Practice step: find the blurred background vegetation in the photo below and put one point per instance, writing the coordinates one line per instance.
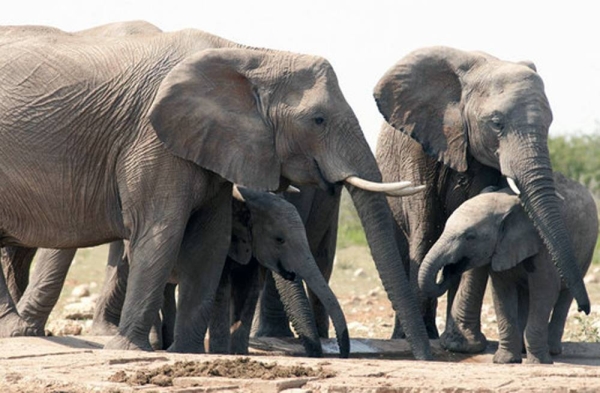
(577, 156)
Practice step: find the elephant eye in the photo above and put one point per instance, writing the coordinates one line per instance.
(497, 123)
(319, 120)
(280, 240)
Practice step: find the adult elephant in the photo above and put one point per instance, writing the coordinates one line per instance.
(458, 122)
(141, 138)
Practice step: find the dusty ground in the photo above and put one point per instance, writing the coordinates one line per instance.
(77, 364)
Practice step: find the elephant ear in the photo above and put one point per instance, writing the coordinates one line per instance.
(208, 110)
(518, 240)
(421, 96)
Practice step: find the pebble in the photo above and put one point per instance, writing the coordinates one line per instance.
(81, 291)
(360, 272)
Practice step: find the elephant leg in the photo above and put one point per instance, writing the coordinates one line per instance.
(272, 320)
(107, 313)
(556, 327)
(510, 340)
(45, 287)
(11, 324)
(152, 255)
(168, 313)
(201, 260)
(220, 320)
(463, 316)
(16, 262)
(244, 292)
(544, 290)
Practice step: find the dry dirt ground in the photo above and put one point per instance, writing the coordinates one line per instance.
(78, 364)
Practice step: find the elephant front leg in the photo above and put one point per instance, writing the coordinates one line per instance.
(245, 291)
(152, 254)
(220, 321)
(506, 300)
(463, 318)
(199, 268)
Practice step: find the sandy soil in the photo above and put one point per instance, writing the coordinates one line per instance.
(69, 364)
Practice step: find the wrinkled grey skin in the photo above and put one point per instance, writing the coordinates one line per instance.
(458, 122)
(492, 230)
(135, 152)
(319, 211)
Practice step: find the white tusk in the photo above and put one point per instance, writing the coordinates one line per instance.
(513, 185)
(402, 188)
(406, 191)
(235, 192)
(560, 196)
(292, 189)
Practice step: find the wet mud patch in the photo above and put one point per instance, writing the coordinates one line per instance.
(228, 368)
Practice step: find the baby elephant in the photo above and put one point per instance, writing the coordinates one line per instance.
(493, 229)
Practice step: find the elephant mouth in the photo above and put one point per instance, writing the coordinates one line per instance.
(286, 274)
(452, 273)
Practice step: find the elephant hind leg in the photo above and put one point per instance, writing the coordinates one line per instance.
(556, 327)
(11, 324)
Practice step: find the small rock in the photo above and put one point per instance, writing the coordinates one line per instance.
(64, 327)
(81, 291)
(79, 311)
(374, 292)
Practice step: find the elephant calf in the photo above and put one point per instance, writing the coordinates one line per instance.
(530, 299)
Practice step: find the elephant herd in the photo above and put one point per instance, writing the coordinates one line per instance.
(174, 146)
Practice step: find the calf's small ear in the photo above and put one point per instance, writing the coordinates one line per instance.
(517, 240)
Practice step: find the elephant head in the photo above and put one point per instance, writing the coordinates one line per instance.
(490, 229)
(263, 119)
(462, 106)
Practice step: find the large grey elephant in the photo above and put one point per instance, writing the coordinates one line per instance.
(493, 230)
(458, 122)
(141, 138)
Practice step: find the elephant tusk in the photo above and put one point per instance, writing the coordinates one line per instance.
(292, 189)
(235, 192)
(513, 185)
(397, 189)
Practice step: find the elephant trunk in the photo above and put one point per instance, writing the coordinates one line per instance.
(316, 282)
(435, 260)
(298, 309)
(534, 179)
(377, 221)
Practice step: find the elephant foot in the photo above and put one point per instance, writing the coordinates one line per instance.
(185, 347)
(543, 358)
(555, 348)
(503, 356)
(463, 340)
(124, 343)
(12, 325)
